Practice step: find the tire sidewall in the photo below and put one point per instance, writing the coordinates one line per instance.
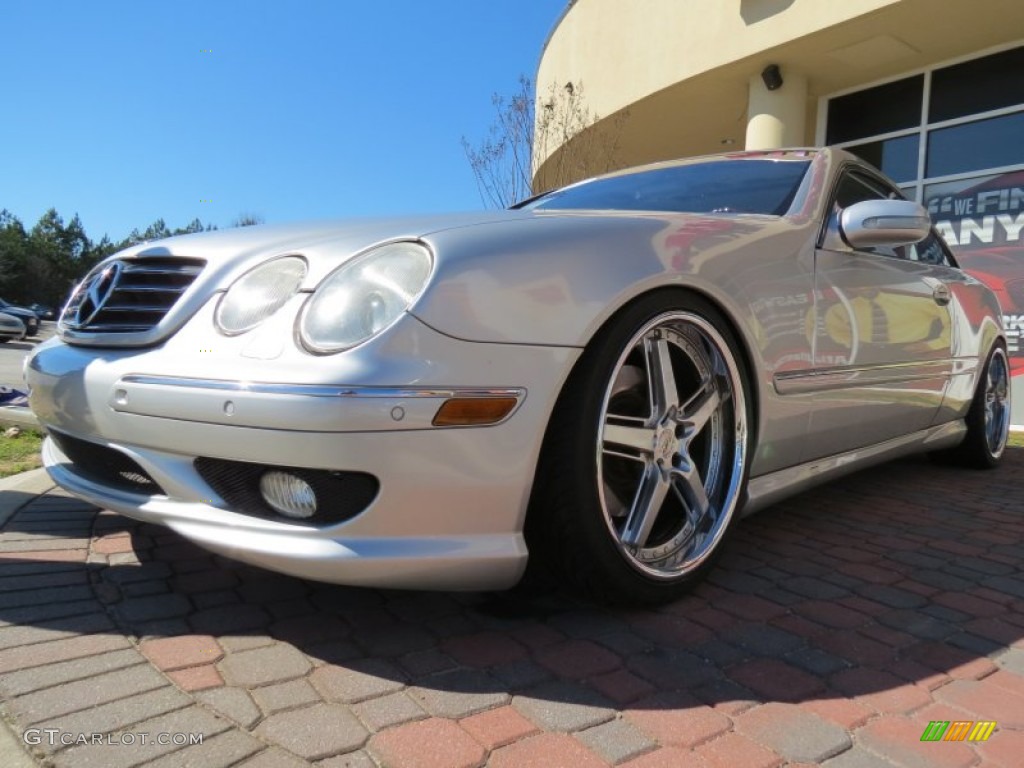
(583, 403)
(977, 439)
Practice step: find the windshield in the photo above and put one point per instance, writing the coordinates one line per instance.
(761, 186)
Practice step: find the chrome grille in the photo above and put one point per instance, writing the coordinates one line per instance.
(130, 295)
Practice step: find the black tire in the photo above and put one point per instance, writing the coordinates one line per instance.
(988, 420)
(619, 445)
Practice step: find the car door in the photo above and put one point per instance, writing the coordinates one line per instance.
(882, 335)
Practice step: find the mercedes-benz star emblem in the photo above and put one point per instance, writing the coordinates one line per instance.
(92, 295)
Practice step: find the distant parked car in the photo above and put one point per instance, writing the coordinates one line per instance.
(45, 312)
(27, 316)
(10, 328)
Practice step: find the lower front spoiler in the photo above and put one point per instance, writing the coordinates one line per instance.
(460, 563)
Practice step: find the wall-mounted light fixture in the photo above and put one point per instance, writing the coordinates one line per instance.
(772, 77)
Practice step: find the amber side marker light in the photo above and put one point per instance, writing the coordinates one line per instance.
(473, 411)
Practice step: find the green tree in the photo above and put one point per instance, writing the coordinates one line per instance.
(193, 226)
(156, 231)
(99, 251)
(59, 255)
(159, 230)
(13, 255)
(247, 220)
(48, 261)
(45, 263)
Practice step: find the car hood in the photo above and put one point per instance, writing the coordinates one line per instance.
(498, 275)
(324, 244)
(328, 244)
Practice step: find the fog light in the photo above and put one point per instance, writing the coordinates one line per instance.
(288, 494)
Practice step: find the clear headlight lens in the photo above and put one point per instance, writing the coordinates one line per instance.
(258, 294)
(365, 296)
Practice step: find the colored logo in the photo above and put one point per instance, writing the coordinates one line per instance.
(958, 730)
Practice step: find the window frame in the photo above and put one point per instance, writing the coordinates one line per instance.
(914, 189)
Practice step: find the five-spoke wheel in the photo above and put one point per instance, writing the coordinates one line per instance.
(672, 444)
(660, 397)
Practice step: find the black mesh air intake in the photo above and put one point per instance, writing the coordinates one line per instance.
(339, 495)
(106, 465)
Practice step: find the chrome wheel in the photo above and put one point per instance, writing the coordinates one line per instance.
(988, 418)
(672, 443)
(997, 403)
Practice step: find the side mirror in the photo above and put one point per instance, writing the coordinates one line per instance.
(884, 222)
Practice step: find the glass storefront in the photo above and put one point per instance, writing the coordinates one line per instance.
(953, 139)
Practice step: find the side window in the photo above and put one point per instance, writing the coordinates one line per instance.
(854, 188)
(931, 250)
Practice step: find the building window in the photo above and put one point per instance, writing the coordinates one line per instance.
(897, 158)
(882, 109)
(937, 125)
(990, 143)
(980, 85)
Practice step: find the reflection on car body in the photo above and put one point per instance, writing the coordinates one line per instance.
(597, 383)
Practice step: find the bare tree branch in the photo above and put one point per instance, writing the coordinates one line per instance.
(502, 163)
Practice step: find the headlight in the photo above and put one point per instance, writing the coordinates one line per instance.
(258, 294)
(362, 298)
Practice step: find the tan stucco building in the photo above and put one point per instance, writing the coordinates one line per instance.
(931, 91)
(689, 71)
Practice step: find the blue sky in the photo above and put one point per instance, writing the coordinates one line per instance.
(125, 112)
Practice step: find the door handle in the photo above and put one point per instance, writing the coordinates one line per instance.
(941, 294)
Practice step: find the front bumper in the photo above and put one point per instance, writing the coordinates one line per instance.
(451, 504)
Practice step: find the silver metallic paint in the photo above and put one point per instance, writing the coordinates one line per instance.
(514, 298)
(885, 222)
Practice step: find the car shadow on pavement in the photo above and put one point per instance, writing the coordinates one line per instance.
(895, 593)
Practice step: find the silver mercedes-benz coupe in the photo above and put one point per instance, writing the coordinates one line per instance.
(602, 379)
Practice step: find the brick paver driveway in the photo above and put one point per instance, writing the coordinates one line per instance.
(838, 625)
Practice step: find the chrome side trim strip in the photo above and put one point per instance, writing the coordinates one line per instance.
(813, 380)
(766, 490)
(320, 390)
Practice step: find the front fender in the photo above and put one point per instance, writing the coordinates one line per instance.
(556, 279)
